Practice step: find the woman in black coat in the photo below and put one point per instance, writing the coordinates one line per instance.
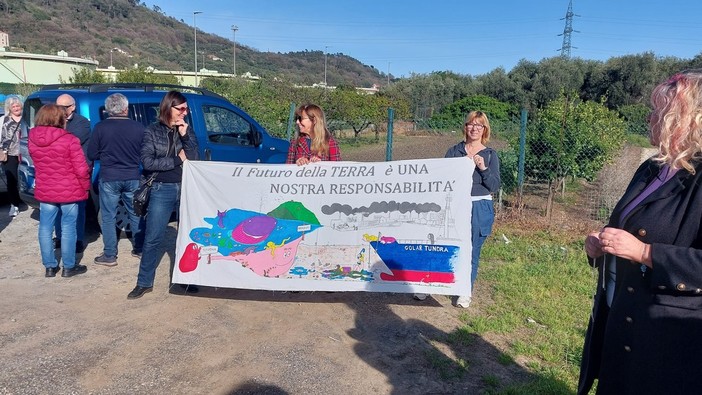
(167, 144)
(645, 333)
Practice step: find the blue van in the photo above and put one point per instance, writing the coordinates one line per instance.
(224, 131)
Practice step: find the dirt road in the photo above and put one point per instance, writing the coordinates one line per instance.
(81, 335)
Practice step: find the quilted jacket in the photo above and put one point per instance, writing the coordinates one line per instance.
(62, 174)
(159, 151)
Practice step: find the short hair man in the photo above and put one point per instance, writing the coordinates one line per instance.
(116, 143)
(78, 126)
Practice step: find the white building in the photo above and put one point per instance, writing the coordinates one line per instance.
(28, 68)
(4, 40)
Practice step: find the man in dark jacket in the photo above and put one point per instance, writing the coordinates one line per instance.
(78, 126)
(116, 143)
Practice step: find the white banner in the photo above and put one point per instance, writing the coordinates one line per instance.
(401, 226)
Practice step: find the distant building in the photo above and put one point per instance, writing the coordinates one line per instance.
(184, 77)
(4, 40)
(369, 91)
(28, 68)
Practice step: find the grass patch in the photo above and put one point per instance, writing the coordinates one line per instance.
(638, 140)
(461, 337)
(505, 359)
(347, 143)
(547, 384)
(541, 293)
(491, 381)
(447, 368)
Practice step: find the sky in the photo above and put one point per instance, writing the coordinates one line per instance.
(463, 36)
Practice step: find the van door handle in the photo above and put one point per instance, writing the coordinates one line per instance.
(208, 154)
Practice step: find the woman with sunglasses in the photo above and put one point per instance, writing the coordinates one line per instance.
(486, 181)
(167, 144)
(313, 141)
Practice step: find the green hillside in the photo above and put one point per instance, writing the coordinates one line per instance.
(92, 28)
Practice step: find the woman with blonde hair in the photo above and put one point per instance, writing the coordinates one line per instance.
(485, 180)
(647, 314)
(313, 141)
(12, 127)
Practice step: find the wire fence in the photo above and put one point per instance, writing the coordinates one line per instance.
(527, 191)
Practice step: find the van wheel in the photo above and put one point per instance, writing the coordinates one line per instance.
(122, 224)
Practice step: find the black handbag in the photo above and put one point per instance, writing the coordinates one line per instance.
(141, 196)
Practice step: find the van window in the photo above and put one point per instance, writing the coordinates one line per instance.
(226, 127)
(104, 114)
(30, 110)
(151, 111)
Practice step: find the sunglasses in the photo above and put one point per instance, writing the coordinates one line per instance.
(300, 118)
(181, 109)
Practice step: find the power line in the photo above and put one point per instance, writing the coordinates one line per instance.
(566, 46)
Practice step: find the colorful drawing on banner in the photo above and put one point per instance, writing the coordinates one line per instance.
(376, 227)
(417, 262)
(264, 243)
(267, 244)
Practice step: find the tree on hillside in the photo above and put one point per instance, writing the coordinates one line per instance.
(85, 76)
(636, 117)
(429, 93)
(453, 115)
(694, 63)
(544, 81)
(572, 138)
(141, 74)
(498, 84)
(268, 103)
(357, 110)
(629, 79)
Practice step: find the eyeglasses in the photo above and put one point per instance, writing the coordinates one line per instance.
(475, 126)
(67, 106)
(300, 119)
(181, 109)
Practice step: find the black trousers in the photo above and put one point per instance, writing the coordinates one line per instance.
(12, 179)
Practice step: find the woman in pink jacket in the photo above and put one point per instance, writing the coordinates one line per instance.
(62, 180)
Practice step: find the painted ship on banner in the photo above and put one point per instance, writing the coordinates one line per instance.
(417, 262)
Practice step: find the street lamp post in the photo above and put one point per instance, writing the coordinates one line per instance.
(195, 29)
(325, 66)
(234, 29)
(388, 73)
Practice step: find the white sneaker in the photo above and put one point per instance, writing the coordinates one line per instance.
(463, 301)
(420, 296)
(14, 210)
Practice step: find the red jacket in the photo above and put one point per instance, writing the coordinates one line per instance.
(62, 174)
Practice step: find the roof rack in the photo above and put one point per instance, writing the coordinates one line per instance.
(146, 87)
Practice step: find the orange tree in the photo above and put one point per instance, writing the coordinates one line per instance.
(570, 137)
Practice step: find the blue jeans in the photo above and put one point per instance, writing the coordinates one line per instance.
(48, 212)
(165, 198)
(111, 192)
(79, 224)
(482, 218)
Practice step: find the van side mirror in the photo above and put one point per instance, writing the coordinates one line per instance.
(257, 138)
